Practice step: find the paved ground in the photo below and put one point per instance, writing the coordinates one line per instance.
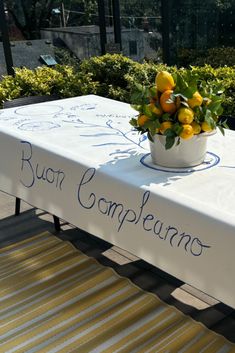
(31, 221)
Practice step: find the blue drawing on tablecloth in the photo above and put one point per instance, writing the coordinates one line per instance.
(68, 118)
(22, 121)
(84, 106)
(57, 116)
(33, 110)
(7, 118)
(116, 116)
(38, 126)
(114, 131)
(227, 166)
(211, 160)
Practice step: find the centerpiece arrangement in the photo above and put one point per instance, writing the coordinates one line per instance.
(178, 113)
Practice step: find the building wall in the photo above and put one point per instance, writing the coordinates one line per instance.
(85, 44)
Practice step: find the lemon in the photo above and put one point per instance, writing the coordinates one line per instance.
(187, 132)
(164, 126)
(185, 115)
(164, 81)
(156, 110)
(166, 106)
(142, 119)
(206, 127)
(196, 128)
(196, 100)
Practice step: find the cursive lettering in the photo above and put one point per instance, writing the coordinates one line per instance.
(122, 215)
(32, 171)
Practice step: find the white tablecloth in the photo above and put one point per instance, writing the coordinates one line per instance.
(79, 158)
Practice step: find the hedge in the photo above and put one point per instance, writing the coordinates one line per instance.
(216, 57)
(112, 75)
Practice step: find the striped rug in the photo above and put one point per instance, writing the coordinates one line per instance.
(53, 299)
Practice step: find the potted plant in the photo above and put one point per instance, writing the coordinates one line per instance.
(178, 113)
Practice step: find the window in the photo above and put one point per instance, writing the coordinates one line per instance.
(133, 47)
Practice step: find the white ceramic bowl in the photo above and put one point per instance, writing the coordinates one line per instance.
(187, 153)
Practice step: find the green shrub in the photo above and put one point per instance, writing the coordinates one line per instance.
(113, 76)
(60, 80)
(223, 75)
(116, 74)
(215, 57)
(109, 71)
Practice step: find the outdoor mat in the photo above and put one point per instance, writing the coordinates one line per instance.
(53, 299)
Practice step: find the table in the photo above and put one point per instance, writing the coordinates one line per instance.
(79, 159)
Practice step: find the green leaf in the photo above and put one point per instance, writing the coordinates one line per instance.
(181, 84)
(177, 128)
(169, 133)
(133, 122)
(189, 91)
(222, 129)
(208, 117)
(220, 111)
(214, 107)
(137, 107)
(166, 117)
(139, 94)
(150, 137)
(153, 91)
(223, 124)
(170, 140)
(152, 126)
(146, 110)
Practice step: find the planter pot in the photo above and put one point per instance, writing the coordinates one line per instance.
(188, 153)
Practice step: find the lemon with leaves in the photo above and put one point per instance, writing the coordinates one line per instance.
(167, 104)
(206, 127)
(196, 128)
(187, 132)
(156, 109)
(185, 115)
(142, 119)
(164, 126)
(196, 100)
(164, 81)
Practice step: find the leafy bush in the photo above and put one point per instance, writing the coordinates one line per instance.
(114, 76)
(117, 75)
(60, 80)
(224, 76)
(215, 57)
(110, 72)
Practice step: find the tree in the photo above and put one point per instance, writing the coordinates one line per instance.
(135, 12)
(81, 12)
(31, 15)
